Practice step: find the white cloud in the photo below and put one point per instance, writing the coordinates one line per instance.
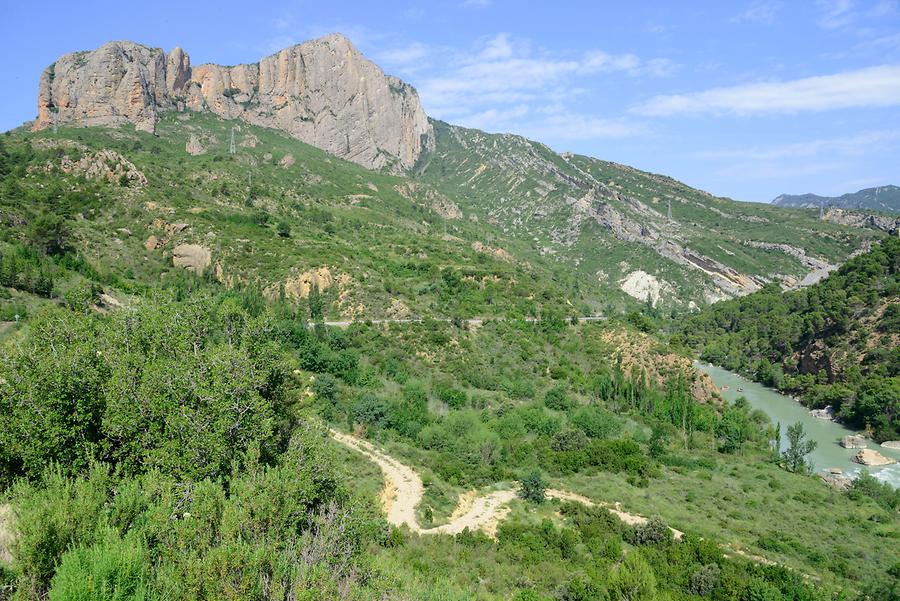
(405, 55)
(790, 163)
(551, 123)
(870, 87)
(856, 145)
(835, 13)
(761, 12)
(885, 8)
(501, 69)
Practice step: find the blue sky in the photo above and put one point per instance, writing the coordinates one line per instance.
(747, 99)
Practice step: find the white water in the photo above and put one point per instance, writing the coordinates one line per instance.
(784, 409)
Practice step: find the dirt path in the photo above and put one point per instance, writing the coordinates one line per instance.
(5, 533)
(403, 491)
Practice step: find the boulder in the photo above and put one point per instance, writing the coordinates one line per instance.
(827, 413)
(891, 444)
(838, 481)
(151, 243)
(191, 256)
(853, 442)
(872, 458)
(193, 146)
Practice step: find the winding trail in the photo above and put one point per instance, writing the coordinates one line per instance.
(403, 491)
(474, 321)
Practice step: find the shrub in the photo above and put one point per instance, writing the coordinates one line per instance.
(114, 570)
(558, 398)
(324, 386)
(596, 422)
(533, 488)
(704, 580)
(569, 440)
(654, 531)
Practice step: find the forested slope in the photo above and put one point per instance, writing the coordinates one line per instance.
(835, 343)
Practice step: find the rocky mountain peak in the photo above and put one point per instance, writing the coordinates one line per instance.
(323, 92)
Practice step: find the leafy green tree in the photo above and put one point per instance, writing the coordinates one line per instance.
(558, 398)
(49, 233)
(316, 303)
(795, 456)
(732, 430)
(533, 488)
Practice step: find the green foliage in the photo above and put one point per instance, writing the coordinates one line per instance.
(286, 528)
(558, 398)
(113, 570)
(633, 579)
(132, 389)
(795, 456)
(762, 333)
(867, 485)
(49, 234)
(533, 488)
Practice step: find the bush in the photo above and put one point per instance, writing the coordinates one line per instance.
(596, 422)
(654, 531)
(704, 580)
(455, 398)
(114, 570)
(558, 398)
(324, 386)
(533, 488)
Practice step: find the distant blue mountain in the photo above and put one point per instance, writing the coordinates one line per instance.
(885, 199)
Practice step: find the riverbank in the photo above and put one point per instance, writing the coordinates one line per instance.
(787, 411)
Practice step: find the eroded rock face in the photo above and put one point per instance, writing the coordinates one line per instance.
(119, 82)
(192, 257)
(323, 92)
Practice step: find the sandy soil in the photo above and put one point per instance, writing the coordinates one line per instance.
(403, 491)
(5, 533)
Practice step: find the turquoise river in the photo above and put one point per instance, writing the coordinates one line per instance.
(784, 409)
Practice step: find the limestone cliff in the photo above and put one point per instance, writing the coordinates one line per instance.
(323, 92)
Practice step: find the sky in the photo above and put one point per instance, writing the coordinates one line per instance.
(747, 99)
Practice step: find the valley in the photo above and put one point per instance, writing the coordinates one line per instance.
(270, 331)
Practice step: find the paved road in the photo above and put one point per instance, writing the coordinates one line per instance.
(474, 321)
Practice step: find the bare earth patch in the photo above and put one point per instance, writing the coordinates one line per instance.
(403, 492)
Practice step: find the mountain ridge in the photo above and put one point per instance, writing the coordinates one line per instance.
(614, 228)
(323, 92)
(878, 198)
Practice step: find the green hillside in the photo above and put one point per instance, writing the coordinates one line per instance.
(836, 343)
(168, 382)
(606, 221)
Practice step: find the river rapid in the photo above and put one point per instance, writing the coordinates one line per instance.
(784, 409)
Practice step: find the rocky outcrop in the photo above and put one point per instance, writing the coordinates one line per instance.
(837, 479)
(872, 458)
(192, 257)
(323, 92)
(645, 287)
(120, 82)
(883, 223)
(431, 198)
(497, 253)
(812, 263)
(853, 442)
(193, 146)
